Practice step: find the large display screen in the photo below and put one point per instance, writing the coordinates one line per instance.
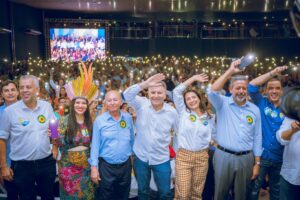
(76, 44)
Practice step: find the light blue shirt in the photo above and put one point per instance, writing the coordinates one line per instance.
(112, 139)
(153, 128)
(8, 162)
(27, 130)
(290, 169)
(238, 127)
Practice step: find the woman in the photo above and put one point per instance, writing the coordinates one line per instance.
(62, 94)
(193, 138)
(74, 140)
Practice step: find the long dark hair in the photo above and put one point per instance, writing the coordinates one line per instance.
(73, 126)
(202, 104)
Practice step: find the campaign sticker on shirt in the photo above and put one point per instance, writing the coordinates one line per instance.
(85, 132)
(281, 115)
(205, 123)
(23, 122)
(41, 119)
(274, 114)
(123, 124)
(192, 118)
(249, 119)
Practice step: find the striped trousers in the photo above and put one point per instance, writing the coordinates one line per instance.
(191, 169)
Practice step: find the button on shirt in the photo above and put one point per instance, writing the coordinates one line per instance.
(238, 127)
(27, 130)
(112, 139)
(153, 127)
(194, 132)
(290, 169)
(272, 119)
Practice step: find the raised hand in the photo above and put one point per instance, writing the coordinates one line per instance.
(200, 78)
(152, 80)
(234, 66)
(278, 70)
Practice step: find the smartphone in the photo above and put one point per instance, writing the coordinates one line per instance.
(246, 61)
(290, 70)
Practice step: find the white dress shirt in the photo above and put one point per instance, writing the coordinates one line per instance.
(194, 131)
(153, 127)
(290, 169)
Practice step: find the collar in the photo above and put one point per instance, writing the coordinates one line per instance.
(24, 107)
(232, 102)
(109, 117)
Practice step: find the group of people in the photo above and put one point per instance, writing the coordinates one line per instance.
(253, 141)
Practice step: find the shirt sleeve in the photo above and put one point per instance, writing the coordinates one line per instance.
(257, 145)
(254, 93)
(215, 98)
(4, 127)
(52, 84)
(286, 125)
(178, 98)
(132, 98)
(95, 146)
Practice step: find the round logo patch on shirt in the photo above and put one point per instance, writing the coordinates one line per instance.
(123, 124)
(192, 118)
(205, 123)
(249, 119)
(41, 119)
(23, 122)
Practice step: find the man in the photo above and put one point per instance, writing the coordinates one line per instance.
(26, 126)
(238, 135)
(10, 94)
(289, 136)
(155, 120)
(272, 118)
(111, 150)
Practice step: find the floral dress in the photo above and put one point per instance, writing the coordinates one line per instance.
(73, 168)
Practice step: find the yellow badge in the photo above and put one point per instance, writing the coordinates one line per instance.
(193, 118)
(249, 119)
(41, 119)
(123, 124)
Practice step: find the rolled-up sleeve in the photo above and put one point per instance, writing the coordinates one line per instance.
(215, 98)
(95, 147)
(257, 145)
(178, 98)
(254, 93)
(5, 125)
(286, 125)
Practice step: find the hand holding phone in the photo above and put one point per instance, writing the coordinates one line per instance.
(246, 61)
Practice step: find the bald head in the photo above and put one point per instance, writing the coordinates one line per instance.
(113, 100)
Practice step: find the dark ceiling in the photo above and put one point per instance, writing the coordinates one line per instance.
(150, 6)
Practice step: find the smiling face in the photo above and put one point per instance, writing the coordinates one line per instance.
(239, 91)
(157, 95)
(274, 91)
(113, 101)
(10, 93)
(192, 100)
(28, 90)
(80, 106)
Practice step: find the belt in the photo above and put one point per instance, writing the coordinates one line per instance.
(33, 161)
(233, 152)
(114, 165)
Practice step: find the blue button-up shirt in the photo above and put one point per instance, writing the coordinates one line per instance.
(238, 127)
(112, 139)
(8, 162)
(272, 119)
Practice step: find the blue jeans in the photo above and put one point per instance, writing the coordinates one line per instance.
(162, 177)
(288, 191)
(273, 170)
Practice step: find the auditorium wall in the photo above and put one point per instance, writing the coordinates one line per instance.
(24, 17)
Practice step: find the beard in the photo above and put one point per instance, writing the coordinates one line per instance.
(240, 99)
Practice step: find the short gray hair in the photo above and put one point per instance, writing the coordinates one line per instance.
(238, 78)
(34, 78)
